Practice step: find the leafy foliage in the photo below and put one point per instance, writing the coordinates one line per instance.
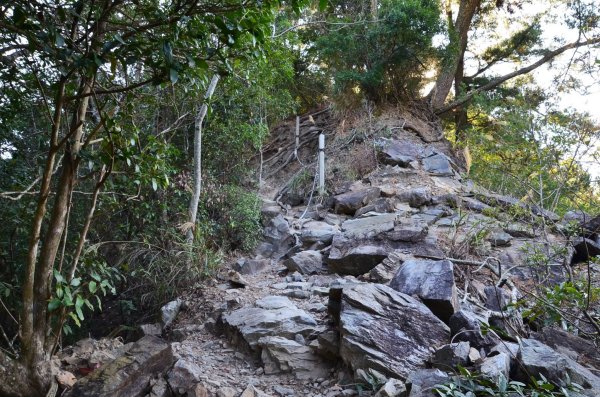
(532, 155)
(381, 58)
(469, 384)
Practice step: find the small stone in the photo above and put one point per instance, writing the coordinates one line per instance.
(198, 391)
(252, 391)
(494, 366)
(474, 355)
(151, 329)
(227, 392)
(170, 311)
(66, 379)
(392, 388)
(451, 356)
(283, 391)
(237, 280)
(499, 239)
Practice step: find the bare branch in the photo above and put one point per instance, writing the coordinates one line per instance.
(496, 82)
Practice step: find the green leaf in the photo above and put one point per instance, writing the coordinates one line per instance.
(154, 184)
(54, 304)
(93, 287)
(99, 302)
(76, 282)
(59, 278)
(59, 292)
(79, 313)
(323, 5)
(173, 76)
(75, 319)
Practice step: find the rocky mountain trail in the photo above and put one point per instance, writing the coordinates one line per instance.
(383, 289)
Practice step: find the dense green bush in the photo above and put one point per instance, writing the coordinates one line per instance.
(229, 217)
(383, 58)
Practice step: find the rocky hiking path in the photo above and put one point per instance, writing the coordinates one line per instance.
(382, 290)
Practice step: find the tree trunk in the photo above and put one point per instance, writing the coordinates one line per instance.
(459, 33)
(16, 379)
(193, 208)
(460, 114)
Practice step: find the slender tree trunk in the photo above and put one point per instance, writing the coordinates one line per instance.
(460, 115)
(459, 33)
(16, 379)
(193, 208)
(34, 239)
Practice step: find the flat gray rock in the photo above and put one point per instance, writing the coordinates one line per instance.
(368, 226)
(281, 355)
(422, 382)
(316, 231)
(249, 324)
(385, 330)
(415, 197)
(449, 357)
(539, 359)
(251, 266)
(432, 281)
(493, 367)
(348, 203)
(305, 262)
(438, 164)
(128, 375)
(401, 153)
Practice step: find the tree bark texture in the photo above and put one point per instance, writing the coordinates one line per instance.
(193, 208)
(459, 33)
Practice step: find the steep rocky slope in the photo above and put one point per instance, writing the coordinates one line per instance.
(382, 288)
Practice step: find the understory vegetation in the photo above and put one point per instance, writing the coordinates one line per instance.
(101, 113)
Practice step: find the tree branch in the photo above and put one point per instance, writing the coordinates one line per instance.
(496, 82)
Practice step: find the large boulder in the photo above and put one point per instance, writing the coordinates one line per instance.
(466, 326)
(385, 330)
(349, 257)
(401, 153)
(450, 356)
(278, 316)
(281, 355)
(183, 376)
(348, 203)
(369, 226)
(128, 375)
(317, 232)
(438, 164)
(581, 350)
(355, 256)
(422, 382)
(538, 359)
(432, 281)
(305, 262)
(380, 205)
(278, 234)
(416, 197)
